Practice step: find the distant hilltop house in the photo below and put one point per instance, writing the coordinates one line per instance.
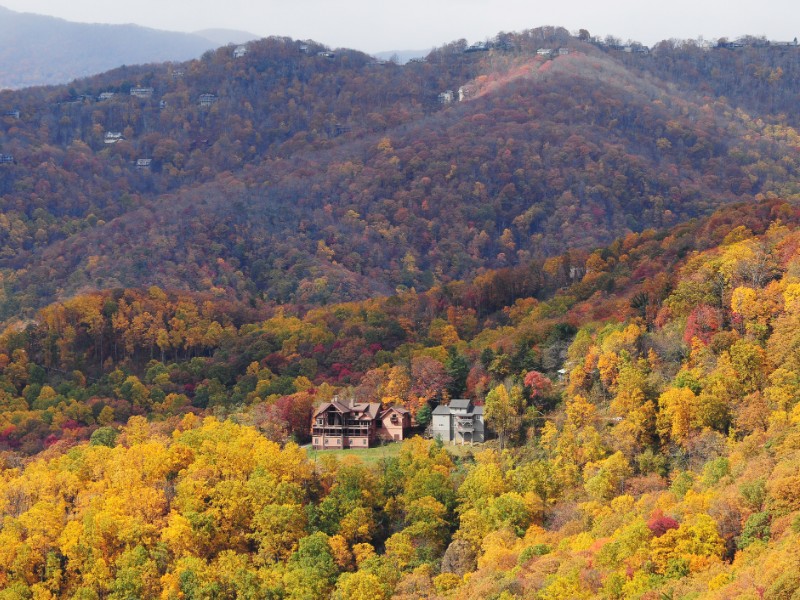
(544, 52)
(79, 99)
(447, 97)
(460, 422)
(6, 159)
(636, 49)
(105, 96)
(142, 92)
(348, 424)
(207, 99)
(112, 137)
(14, 114)
(477, 47)
(240, 51)
(325, 54)
(144, 163)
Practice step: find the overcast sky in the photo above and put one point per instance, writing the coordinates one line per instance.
(373, 25)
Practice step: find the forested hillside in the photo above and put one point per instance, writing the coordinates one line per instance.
(755, 75)
(315, 177)
(606, 258)
(664, 463)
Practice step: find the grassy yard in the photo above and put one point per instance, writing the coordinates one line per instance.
(371, 456)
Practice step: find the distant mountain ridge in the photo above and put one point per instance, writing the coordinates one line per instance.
(300, 174)
(41, 50)
(222, 37)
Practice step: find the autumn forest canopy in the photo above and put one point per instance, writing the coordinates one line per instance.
(597, 242)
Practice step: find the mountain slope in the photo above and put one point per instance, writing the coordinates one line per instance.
(320, 178)
(760, 77)
(40, 50)
(664, 464)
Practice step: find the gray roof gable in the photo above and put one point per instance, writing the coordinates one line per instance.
(460, 403)
(441, 410)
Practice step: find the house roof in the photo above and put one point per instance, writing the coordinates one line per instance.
(478, 410)
(370, 408)
(341, 407)
(397, 409)
(460, 403)
(363, 410)
(321, 408)
(441, 410)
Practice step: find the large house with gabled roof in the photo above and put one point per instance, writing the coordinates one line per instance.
(459, 422)
(347, 424)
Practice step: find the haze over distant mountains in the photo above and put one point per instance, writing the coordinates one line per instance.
(41, 50)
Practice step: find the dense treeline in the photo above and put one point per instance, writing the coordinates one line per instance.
(151, 352)
(665, 462)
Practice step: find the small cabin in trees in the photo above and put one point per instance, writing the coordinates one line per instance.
(329, 55)
(240, 51)
(142, 92)
(14, 114)
(207, 99)
(6, 159)
(459, 422)
(143, 163)
(544, 52)
(112, 137)
(577, 272)
(447, 97)
(105, 96)
(348, 424)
